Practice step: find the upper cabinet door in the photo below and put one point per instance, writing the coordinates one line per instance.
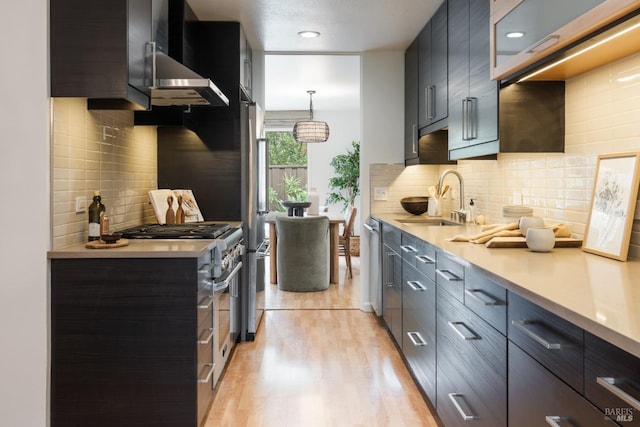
(411, 101)
(433, 69)
(459, 70)
(548, 26)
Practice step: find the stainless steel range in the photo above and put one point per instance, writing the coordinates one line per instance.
(219, 272)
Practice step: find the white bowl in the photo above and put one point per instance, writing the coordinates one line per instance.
(540, 239)
(527, 222)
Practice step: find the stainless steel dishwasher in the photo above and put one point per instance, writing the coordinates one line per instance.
(375, 264)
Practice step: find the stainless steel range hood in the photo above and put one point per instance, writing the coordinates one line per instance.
(175, 84)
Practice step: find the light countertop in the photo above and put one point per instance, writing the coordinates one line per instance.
(598, 294)
(139, 248)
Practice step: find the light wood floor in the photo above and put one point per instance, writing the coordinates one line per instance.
(318, 361)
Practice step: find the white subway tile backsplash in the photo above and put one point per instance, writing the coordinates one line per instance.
(123, 168)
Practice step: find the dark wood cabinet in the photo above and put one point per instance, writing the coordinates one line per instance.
(472, 367)
(125, 344)
(411, 102)
(485, 120)
(392, 281)
(473, 96)
(224, 56)
(418, 317)
(554, 342)
(426, 94)
(538, 398)
(433, 71)
(612, 380)
(98, 50)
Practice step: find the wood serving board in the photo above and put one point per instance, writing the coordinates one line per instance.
(520, 242)
(99, 244)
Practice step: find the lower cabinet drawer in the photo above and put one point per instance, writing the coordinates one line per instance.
(419, 298)
(458, 404)
(486, 298)
(554, 342)
(612, 380)
(472, 356)
(538, 398)
(450, 276)
(419, 349)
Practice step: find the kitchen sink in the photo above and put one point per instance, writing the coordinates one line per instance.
(427, 221)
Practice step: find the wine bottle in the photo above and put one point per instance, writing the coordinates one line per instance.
(96, 210)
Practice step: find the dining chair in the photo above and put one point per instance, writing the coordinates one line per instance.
(303, 253)
(344, 241)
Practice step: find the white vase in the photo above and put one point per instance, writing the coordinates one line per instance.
(540, 239)
(313, 197)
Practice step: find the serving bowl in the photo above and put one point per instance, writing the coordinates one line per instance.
(415, 205)
(111, 237)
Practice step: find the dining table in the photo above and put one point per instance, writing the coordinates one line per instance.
(334, 237)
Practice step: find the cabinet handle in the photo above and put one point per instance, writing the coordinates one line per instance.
(555, 421)
(472, 132)
(475, 294)
(448, 276)
(416, 286)
(429, 100)
(416, 339)
(371, 229)
(542, 41)
(206, 340)
(520, 324)
(390, 274)
(409, 249)
(464, 120)
(205, 303)
(609, 384)
(207, 377)
(425, 259)
(205, 269)
(453, 397)
(154, 66)
(414, 130)
(469, 336)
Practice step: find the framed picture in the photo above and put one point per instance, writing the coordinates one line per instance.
(613, 202)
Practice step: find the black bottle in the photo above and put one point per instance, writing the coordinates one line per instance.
(96, 210)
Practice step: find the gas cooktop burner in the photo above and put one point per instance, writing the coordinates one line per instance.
(200, 230)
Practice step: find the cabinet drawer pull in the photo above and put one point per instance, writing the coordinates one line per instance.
(205, 269)
(453, 397)
(469, 336)
(542, 41)
(205, 303)
(209, 336)
(409, 248)
(425, 259)
(207, 377)
(520, 324)
(609, 384)
(416, 339)
(448, 276)
(475, 294)
(389, 268)
(416, 286)
(556, 421)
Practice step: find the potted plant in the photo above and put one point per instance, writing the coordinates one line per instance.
(345, 186)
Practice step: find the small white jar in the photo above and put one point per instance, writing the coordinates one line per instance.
(527, 222)
(540, 239)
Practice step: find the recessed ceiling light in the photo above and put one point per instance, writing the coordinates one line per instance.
(515, 34)
(309, 34)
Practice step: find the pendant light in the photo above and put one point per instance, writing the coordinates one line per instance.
(309, 131)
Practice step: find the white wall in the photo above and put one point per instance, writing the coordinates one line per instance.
(382, 112)
(24, 182)
(344, 127)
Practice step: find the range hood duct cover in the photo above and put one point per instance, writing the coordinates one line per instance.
(175, 84)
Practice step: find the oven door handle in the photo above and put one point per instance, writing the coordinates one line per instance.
(222, 282)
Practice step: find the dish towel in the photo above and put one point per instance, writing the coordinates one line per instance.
(488, 232)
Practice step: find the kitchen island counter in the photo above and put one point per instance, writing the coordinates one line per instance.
(598, 294)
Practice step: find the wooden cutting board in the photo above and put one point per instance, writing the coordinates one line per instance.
(99, 244)
(520, 242)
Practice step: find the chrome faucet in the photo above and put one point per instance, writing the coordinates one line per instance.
(459, 214)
